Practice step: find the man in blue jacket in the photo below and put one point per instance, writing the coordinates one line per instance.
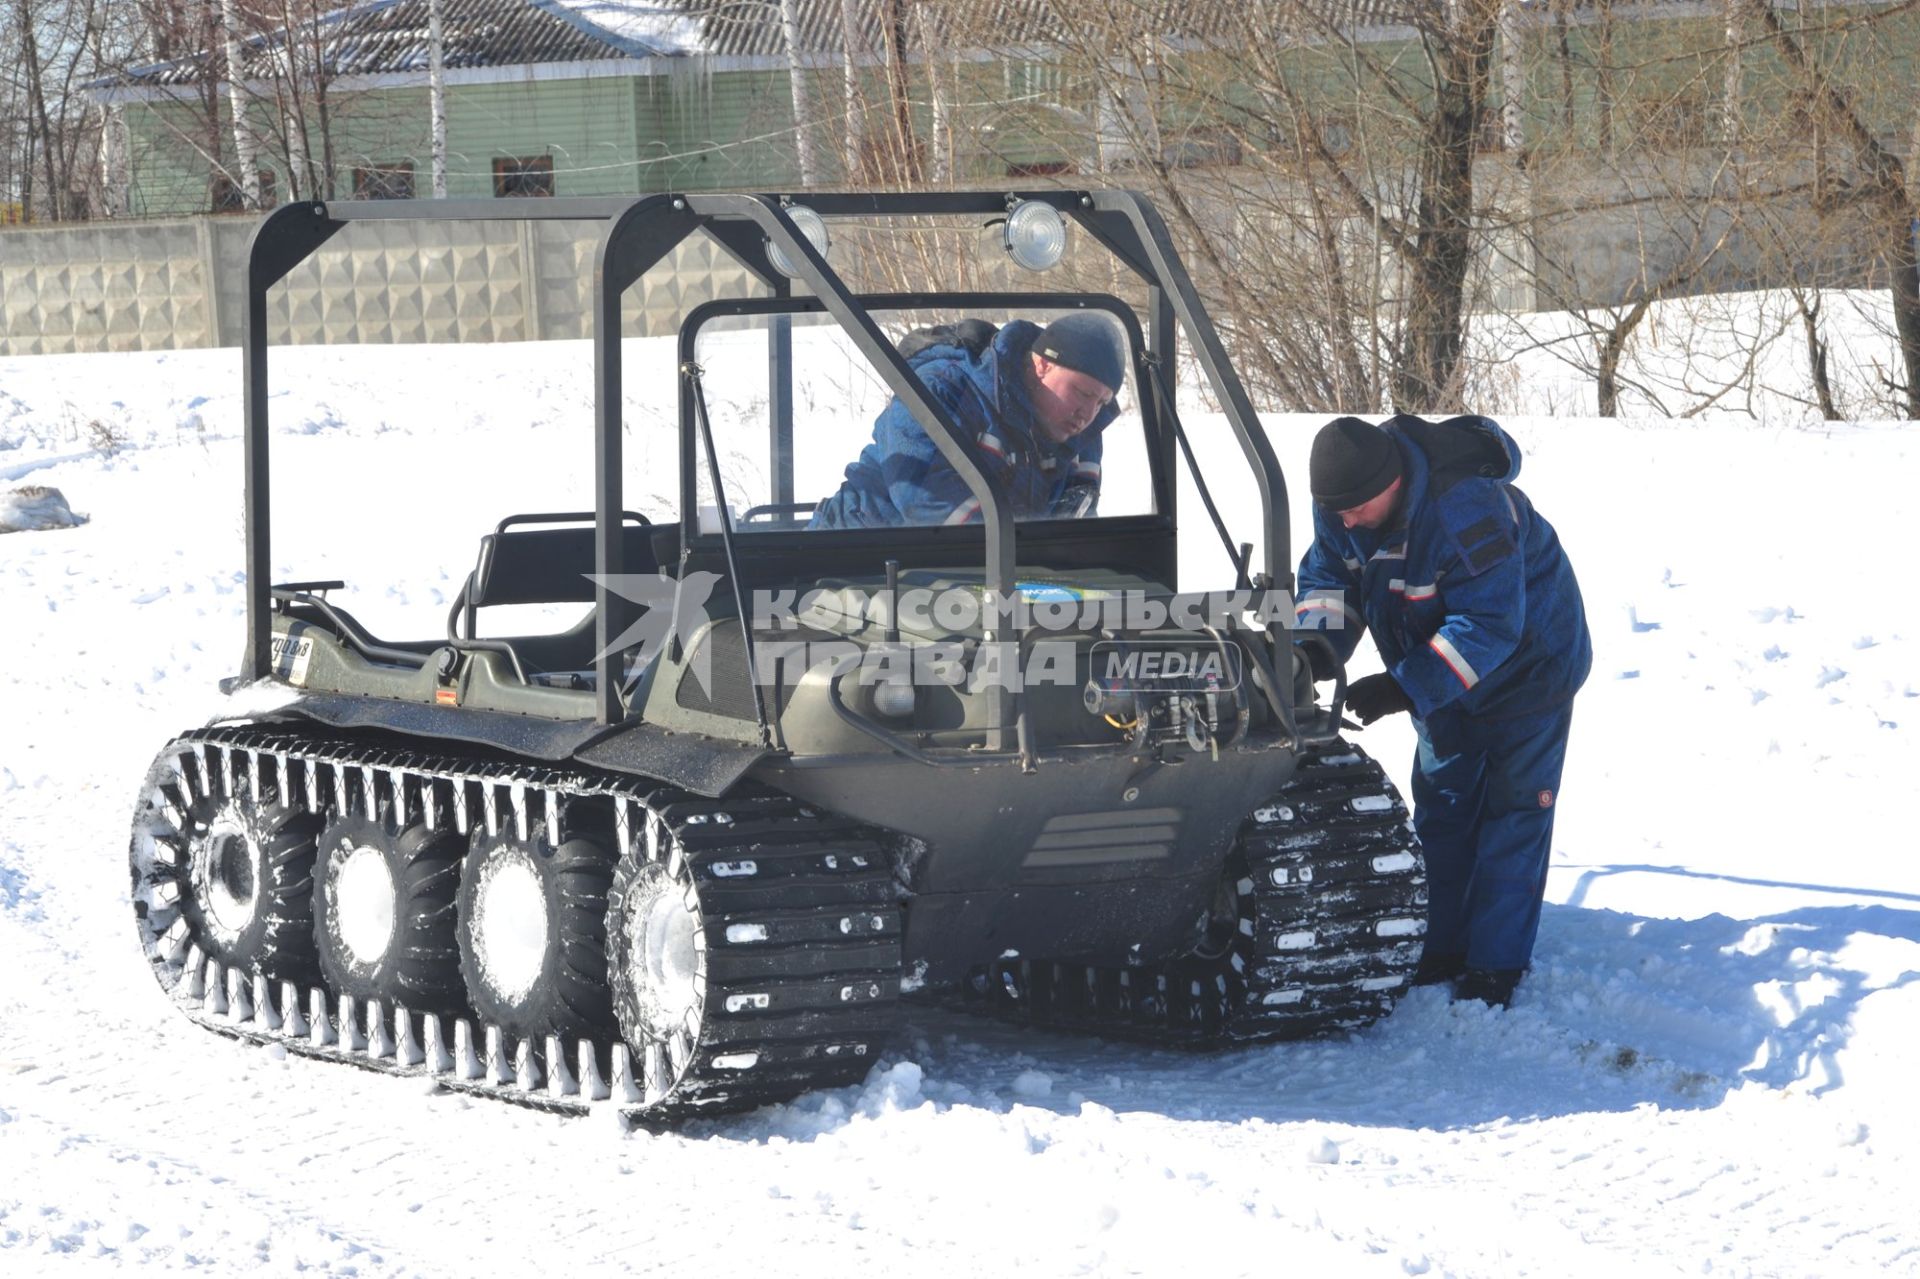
(1032, 402)
(1421, 537)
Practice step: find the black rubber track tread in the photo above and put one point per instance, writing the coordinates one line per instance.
(1315, 953)
(797, 974)
(810, 1000)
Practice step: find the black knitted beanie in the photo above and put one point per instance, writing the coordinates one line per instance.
(1086, 342)
(1352, 462)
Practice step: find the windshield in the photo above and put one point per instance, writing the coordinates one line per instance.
(1064, 443)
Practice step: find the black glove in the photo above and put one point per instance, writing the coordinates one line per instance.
(1321, 662)
(1375, 696)
(1078, 502)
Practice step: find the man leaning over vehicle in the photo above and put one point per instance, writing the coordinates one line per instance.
(1421, 537)
(1033, 400)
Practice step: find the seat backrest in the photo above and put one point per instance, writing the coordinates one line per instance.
(538, 565)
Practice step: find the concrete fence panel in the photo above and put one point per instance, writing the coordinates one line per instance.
(120, 287)
(407, 282)
(127, 286)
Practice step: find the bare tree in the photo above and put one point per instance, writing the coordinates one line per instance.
(244, 145)
(1871, 177)
(906, 167)
(53, 133)
(802, 100)
(437, 96)
(1327, 178)
(186, 31)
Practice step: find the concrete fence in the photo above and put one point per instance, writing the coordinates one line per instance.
(141, 286)
(128, 286)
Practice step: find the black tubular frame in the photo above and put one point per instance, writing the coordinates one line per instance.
(638, 233)
(970, 302)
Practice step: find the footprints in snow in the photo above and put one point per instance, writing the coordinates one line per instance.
(1790, 666)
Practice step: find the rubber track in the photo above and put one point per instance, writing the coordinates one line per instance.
(1331, 901)
(801, 996)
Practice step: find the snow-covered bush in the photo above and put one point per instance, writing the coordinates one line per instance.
(36, 507)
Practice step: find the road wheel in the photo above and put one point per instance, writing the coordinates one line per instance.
(657, 961)
(533, 936)
(246, 878)
(385, 914)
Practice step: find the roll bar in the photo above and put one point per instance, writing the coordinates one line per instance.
(639, 232)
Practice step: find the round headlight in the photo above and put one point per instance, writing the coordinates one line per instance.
(1035, 235)
(894, 699)
(811, 225)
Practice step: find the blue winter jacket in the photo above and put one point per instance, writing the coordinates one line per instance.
(901, 478)
(1470, 598)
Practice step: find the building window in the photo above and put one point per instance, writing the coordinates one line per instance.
(384, 182)
(226, 196)
(523, 175)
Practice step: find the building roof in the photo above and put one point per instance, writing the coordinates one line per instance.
(389, 37)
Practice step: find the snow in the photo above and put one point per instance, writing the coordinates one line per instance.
(34, 507)
(1708, 1071)
(646, 28)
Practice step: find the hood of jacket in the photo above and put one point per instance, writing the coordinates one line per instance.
(1459, 448)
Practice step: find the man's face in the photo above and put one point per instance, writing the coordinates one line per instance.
(1065, 401)
(1373, 512)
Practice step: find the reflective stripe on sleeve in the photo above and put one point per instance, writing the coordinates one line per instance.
(1451, 656)
(965, 511)
(1323, 604)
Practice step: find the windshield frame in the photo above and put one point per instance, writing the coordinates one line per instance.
(1157, 434)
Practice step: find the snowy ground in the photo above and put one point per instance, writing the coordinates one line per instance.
(1707, 1072)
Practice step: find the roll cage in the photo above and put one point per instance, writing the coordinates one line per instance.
(639, 232)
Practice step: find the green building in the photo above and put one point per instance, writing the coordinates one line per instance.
(541, 97)
(606, 97)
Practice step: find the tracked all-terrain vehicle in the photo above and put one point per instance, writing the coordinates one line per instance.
(688, 853)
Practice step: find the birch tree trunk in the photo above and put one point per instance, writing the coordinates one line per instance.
(850, 78)
(114, 162)
(1513, 80)
(802, 103)
(247, 156)
(1731, 86)
(437, 96)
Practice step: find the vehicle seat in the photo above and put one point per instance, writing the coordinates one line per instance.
(549, 565)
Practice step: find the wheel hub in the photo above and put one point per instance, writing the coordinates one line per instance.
(665, 952)
(230, 889)
(364, 902)
(510, 926)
